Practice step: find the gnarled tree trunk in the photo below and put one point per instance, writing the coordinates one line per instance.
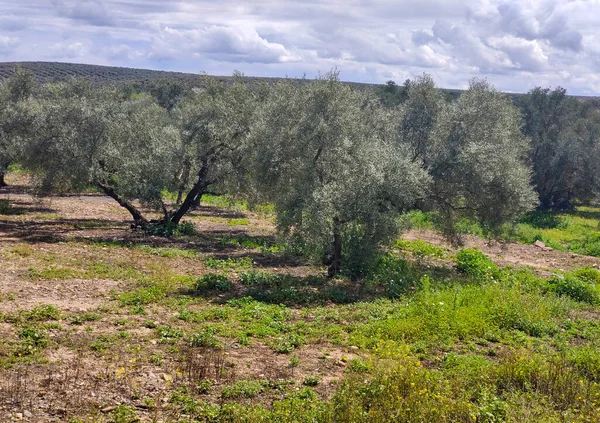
(138, 218)
(335, 257)
(194, 195)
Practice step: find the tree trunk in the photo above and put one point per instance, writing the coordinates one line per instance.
(196, 203)
(185, 177)
(336, 250)
(194, 195)
(138, 218)
(3, 171)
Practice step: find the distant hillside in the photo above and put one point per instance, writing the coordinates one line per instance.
(101, 75)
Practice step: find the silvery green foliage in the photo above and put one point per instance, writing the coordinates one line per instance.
(477, 160)
(14, 119)
(213, 125)
(84, 138)
(419, 118)
(564, 141)
(326, 157)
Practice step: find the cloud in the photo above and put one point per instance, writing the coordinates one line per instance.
(8, 44)
(91, 12)
(515, 44)
(226, 43)
(13, 23)
(67, 50)
(523, 54)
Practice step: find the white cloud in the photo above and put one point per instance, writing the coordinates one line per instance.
(226, 43)
(8, 44)
(515, 44)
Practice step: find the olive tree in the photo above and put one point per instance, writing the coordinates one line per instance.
(86, 138)
(325, 156)
(213, 125)
(561, 155)
(14, 120)
(476, 159)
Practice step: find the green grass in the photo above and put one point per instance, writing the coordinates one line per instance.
(577, 231)
(471, 342)
(421, 249)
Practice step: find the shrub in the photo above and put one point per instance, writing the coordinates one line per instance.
(575, 287)
(476, 264)
(395, 275)
(213, 281)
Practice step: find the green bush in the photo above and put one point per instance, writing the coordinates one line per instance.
(476, 264)
(395, 275)
(213, 281)
(575, 287)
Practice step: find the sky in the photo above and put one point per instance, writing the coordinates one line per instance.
(516, 45)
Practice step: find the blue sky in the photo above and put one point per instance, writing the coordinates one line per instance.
(515, 44)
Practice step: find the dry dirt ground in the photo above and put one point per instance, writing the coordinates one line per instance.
(101, 355)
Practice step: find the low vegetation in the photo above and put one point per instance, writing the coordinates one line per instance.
(226, 328)
(236, 253)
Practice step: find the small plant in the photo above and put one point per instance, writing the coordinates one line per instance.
(205, 338)
(287, 344)
(42, 313)
(5, 207)
(421, 249)
(157, 359)
(102, 343)
(249, 388)
(238, 222)
(395, 275)
(32, 340)
(169, 229)
(124, 414)
(204, 386)
(358, 365)
(213, 281)
(294, 361)
(80, 319)
(169, 334)
(311, 381)
(258, 278)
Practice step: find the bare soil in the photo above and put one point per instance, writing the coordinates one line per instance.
(71, 376)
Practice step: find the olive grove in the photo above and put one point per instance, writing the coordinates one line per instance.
(338, 165)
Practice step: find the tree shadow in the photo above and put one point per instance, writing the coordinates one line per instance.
(211, 211)
(595, 215)
(318, 289)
